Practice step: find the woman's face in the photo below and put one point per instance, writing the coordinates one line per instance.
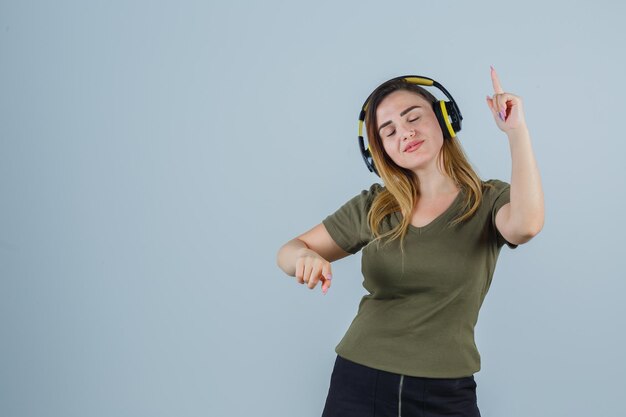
(401, 123)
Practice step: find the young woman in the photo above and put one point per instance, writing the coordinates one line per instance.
(431, 238)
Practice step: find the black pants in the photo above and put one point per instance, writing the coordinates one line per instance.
(360, 391)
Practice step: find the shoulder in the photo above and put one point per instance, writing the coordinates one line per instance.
(370, 192)
(365, 198)
(375, 188)
(492, 188)
(496, 184)
(362, 200)
(497, 194)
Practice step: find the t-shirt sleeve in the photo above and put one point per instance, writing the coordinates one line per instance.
(348, 225)
(502, 196)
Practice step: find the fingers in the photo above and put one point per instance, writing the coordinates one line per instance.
(311, 268)
(328, 276)
(496, 108)
(501, 104)
(496, 82)
(320, 270)
(490, 104)
(499, 98)
(300, 270)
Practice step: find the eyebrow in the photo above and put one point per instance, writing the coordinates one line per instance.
(405, 111)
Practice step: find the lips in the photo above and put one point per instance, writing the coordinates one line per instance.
(412, 145)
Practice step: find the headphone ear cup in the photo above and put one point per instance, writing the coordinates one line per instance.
(367, 156)
(370, 163)
(441, 119)
(454, 117)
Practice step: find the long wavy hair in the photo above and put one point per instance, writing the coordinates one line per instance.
(402, 186)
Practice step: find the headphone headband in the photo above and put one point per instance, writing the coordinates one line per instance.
(447, 112)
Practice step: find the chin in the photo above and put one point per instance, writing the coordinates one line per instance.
(422, 164)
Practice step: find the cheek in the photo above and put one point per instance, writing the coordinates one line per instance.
(389, 148)
(435, 126)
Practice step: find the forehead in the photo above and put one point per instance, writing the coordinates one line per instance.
(395, 102)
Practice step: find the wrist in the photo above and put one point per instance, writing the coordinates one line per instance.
(518, 132)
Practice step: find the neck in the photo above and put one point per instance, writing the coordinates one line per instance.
(434, 184)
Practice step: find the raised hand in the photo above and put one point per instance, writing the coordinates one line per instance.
(507, 108)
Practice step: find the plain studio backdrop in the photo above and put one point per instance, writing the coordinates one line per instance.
(154, 156)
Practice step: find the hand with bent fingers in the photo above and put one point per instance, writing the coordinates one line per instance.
(311, 268)
(507, 108)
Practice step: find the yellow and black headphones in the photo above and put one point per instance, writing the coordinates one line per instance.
(447, 112)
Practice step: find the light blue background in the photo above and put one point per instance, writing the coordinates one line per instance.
(154, 156)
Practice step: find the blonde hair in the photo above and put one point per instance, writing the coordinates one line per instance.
(402, 188)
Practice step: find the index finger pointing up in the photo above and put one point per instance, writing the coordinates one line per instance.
(496, 82)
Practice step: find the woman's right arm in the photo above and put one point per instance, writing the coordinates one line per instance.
(315, 249)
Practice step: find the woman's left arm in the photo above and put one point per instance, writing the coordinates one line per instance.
(523, 217)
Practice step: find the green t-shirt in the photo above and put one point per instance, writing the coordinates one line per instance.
(420, 322)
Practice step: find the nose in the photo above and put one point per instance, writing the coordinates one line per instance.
(408, 133)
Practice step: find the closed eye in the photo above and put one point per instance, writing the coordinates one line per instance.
(392, 132)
